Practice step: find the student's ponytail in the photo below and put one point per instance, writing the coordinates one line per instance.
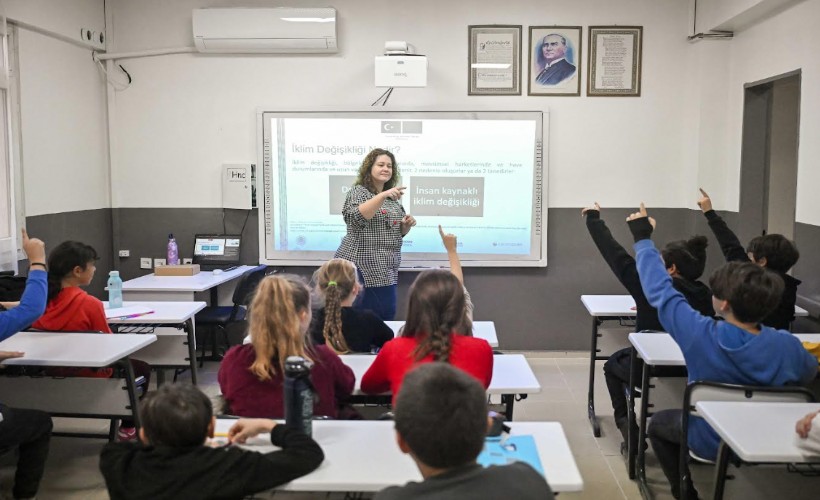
(688, 256)
(436, 311)
(274, 324)
(336, 280)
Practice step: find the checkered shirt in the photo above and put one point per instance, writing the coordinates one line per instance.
(373, 245)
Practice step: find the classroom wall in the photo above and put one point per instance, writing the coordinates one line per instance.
(64, 146)
(785, 42)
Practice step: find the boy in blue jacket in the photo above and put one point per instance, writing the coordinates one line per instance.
(739, 350)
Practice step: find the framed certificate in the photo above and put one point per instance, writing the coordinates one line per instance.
(494, 60)
(555, 60)
(615, 61)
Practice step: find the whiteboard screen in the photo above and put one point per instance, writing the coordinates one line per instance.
(481, 175)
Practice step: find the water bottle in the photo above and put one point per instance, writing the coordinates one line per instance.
(298, 395)
(173, 251)
(114, 290)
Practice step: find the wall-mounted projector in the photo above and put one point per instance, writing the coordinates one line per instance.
(401, 71)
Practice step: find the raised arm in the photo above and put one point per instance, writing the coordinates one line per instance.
(33, 302)
(616, 256)
(675, 314)
(729, 244)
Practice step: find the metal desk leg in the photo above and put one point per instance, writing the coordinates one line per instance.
(641, 454)
(631, 452)
(132, 391)
(190, 329)
(508, 400)
(724, 452)
(593, 355)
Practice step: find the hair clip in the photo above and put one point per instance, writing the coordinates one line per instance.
(332, 283)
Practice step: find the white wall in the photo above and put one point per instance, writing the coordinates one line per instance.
(786, 42)
(735, 15)
(62, 108)
(185, 115)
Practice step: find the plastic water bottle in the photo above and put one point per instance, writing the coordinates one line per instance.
(173, 251)
(114, 290)
(298, 395)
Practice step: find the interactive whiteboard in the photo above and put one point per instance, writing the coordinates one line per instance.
(481, 175)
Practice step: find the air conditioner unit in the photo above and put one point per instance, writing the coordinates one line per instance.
(281, 30)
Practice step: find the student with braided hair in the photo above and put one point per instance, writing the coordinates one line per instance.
(437, 329)
(252, 375)
(338, 325)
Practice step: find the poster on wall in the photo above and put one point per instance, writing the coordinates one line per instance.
(615, 61)
(494, 60)
(555, 61)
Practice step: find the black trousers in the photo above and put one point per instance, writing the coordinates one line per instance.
(666, 435)
(616, 374)
(30, 432)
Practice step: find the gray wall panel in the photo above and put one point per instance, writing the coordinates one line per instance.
(533, 308)
(92, 227)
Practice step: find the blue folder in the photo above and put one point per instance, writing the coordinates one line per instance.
(514, 449)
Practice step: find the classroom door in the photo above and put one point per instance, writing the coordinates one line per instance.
(768, 180)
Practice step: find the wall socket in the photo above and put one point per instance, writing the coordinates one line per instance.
(187, 261)
(159, 262)
(125, 253)
(145, 263)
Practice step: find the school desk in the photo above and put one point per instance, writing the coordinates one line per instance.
(481, 330)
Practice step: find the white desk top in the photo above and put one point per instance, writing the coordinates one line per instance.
(164, 312)
(657, 349)
(808, 337)
(481, 329)
(768, 436)
(511, 373)
(624, 305)
(609, 305)
(72, 349)
(201, 282)
(364, 456)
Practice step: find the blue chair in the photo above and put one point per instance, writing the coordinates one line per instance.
(217, 318)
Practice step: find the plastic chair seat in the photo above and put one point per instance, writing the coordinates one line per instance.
(219, 315)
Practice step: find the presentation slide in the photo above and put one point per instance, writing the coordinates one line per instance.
(478, 175)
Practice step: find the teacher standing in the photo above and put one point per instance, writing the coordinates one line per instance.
(376, 223)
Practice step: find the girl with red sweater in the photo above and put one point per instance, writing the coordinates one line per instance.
(251, 375)
(437, 329)
(71, 265)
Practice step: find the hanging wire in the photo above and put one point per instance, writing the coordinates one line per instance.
(110, 79)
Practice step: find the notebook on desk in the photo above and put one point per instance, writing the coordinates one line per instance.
(216, 251)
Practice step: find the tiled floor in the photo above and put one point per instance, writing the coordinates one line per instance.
(72, 471)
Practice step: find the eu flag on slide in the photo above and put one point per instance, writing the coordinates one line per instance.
(411, 127)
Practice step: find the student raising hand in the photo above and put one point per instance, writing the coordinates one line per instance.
(705, 203)
(595, 206)
(640, 224)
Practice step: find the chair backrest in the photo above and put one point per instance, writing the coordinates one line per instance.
(250, 279)
(716, 391)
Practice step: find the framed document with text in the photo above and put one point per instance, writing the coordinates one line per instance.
(615, 61)
(494, 60)
(555, 61)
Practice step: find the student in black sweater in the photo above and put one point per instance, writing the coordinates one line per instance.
(772, 251)
(173, 460)
(337, 324)
(685, 261)
(441, 422)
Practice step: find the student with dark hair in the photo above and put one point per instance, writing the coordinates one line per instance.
(173, 461)
(437, 329)
(739, 350)
(71, 265)
(27, 430)
(338, 325)
(441, 422)
(772, 251)
(684, 261)
(251, 375)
